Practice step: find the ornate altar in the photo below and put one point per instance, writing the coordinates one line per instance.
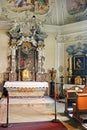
(26, 50)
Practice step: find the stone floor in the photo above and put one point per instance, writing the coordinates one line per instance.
(37, 109)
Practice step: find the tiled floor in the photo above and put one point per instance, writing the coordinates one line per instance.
(30, 110)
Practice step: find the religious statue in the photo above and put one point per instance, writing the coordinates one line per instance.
(52, 73)
(26, 75)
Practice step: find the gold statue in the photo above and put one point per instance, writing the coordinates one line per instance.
(78, 80)
(26, 75)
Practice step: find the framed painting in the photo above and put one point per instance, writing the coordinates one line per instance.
(79, 62)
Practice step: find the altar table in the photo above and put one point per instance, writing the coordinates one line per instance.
(28, 88)
(25, 84)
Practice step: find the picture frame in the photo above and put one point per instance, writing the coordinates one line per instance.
(79, 62)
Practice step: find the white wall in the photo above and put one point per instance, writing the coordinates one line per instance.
(50, 51)
(3, 50)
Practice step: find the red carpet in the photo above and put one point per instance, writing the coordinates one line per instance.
(44, 125)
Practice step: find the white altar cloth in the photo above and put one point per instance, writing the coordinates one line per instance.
(68, 86)
(25, 84)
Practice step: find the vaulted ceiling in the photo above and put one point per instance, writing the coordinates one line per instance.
(50, 12)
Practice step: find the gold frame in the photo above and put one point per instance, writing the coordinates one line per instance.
(79, 62)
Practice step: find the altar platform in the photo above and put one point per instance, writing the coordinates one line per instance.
(43, 105)
(28, 101)
(28, 93)
(20, 106)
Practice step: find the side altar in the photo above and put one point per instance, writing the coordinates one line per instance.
(27, 88)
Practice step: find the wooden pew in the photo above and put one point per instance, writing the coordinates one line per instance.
(80, 107)
(70, 99)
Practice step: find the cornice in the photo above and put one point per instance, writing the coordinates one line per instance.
(70, 32)
(52, 28)
(74, 28)
(70, 29)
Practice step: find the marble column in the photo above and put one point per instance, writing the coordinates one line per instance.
(12, 74)
(60, 55)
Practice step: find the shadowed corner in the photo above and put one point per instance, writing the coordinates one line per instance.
(5, 95)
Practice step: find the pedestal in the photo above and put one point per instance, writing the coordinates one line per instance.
(61, 95)
(52, 88)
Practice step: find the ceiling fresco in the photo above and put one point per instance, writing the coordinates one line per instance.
(50, 12)
(23, 10)
(76, 6)
(75, 11)
(36, 6)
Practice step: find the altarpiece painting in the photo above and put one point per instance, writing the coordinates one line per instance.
(27, 59)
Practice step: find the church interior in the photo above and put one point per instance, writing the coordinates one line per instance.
(43, 68)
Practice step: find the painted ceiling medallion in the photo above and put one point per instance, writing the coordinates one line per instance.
(76, 6)
(35, 6)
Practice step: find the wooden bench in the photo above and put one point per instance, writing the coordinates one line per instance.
(70, 99)
(80, 107)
